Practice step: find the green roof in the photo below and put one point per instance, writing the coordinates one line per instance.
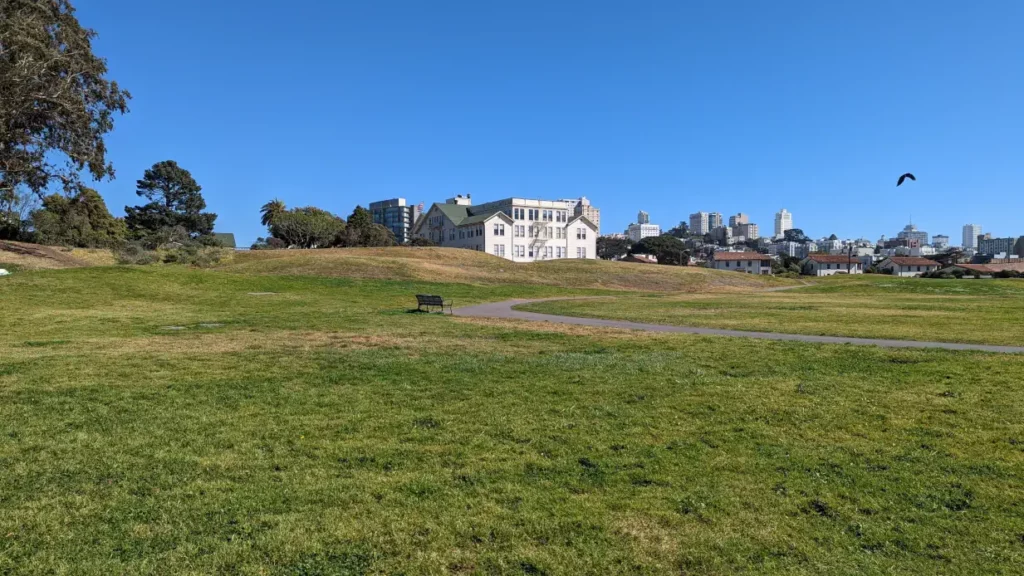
(225, 239)
(463, 215)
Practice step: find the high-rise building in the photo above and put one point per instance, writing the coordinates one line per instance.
(748, 230)
(970, 238)
(911, 232)
(643, 217)
(699, 223)
(940, 241)
(584, 208)
(738, 219)
(783, 222)
(395, 216)
(715, 220)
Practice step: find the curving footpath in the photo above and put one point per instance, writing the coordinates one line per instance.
(505, 310)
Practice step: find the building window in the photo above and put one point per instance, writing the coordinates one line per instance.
(531, 251)
(581, 252)
(451, 234)
(581, 233)
(531, 231)
(547, 252)
(548, 233)
(499, 250)
(499, 229)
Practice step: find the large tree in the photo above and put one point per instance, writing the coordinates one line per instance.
(667, 249)
(307, 227)
(81, 220)
(56, 104)
(680, 231)
(271, 210)
(175, 201)
(609, 248)
(795, 235)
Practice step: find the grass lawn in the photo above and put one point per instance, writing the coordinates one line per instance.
(968, 311)
(324, 430)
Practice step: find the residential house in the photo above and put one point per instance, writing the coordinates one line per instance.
(907, 266)
(830, 264)
(749, 262)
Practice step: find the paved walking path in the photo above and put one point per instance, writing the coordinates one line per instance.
(504, 310)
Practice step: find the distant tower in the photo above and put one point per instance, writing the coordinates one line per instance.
(971, 233)
(715, 220)
(643, 218)
(783, 222)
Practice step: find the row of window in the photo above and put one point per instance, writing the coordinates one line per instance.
(539, 214)
(543, 252)
(522, 231)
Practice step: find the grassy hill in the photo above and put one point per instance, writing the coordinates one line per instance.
(22, 256)
(466, 266)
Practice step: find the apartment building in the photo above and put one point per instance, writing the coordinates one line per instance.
(783, 222)
(1009, 246)
(517, 229)
(396, 216)
(940, 241)
(584, 208)
(714, 220)
(970, 236)
(738, 219)
(699, 223)
(746, 230)
(639, 231)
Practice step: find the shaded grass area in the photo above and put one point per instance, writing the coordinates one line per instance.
(968, 311)
(323, 430)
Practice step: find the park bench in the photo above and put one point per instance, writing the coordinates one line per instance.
(429, 301)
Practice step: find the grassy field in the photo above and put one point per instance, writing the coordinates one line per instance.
(170, 421)
(466, 266)
(969, 311)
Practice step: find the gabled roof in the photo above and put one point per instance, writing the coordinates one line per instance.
(483, 217)
(833, 259)
(733, 256)
(910, 261)
(584, 219)
(462, 215)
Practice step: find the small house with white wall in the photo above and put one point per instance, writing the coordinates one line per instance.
(748, 262)
(907, 266)
(830, 264)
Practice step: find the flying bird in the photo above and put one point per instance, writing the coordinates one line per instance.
(904, 177)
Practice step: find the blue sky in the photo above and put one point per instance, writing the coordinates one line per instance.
(667, 106)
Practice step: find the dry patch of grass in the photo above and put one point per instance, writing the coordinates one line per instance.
(466, 266)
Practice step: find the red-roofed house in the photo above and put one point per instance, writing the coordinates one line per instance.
(749, 262)
(907, 266)
(829, 264)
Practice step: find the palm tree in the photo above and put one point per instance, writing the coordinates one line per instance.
(270, 211)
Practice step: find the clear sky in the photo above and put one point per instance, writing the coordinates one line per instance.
(669, 106)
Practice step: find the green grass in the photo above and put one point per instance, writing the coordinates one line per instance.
(326, 430)
(967, 311)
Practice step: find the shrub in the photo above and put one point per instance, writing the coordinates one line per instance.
(193, 255)
(135, 254)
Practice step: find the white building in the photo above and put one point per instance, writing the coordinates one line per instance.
(907, 266)
(791, 249)
(517, 229)
(830, 264)
(783, 222)
(971, 233)
(748, 262)
(637, 232)
(699, 223)
(940, 241)
(643, 217)
(746, 229)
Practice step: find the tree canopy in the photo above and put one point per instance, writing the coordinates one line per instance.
(609, 248)
(56, 104)
(795, 235)
(307, 227)
(175, 201)
(682, 230)
(81, 220)
(667, 249)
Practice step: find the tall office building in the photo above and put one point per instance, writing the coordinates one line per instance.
(738, 219)
(643, 217)
(940, 241)
(395, 216)
(783, 222)
(971, 233)
(699, 223)
(715, 220)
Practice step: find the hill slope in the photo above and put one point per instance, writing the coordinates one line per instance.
(20, 255)
(466, 266)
